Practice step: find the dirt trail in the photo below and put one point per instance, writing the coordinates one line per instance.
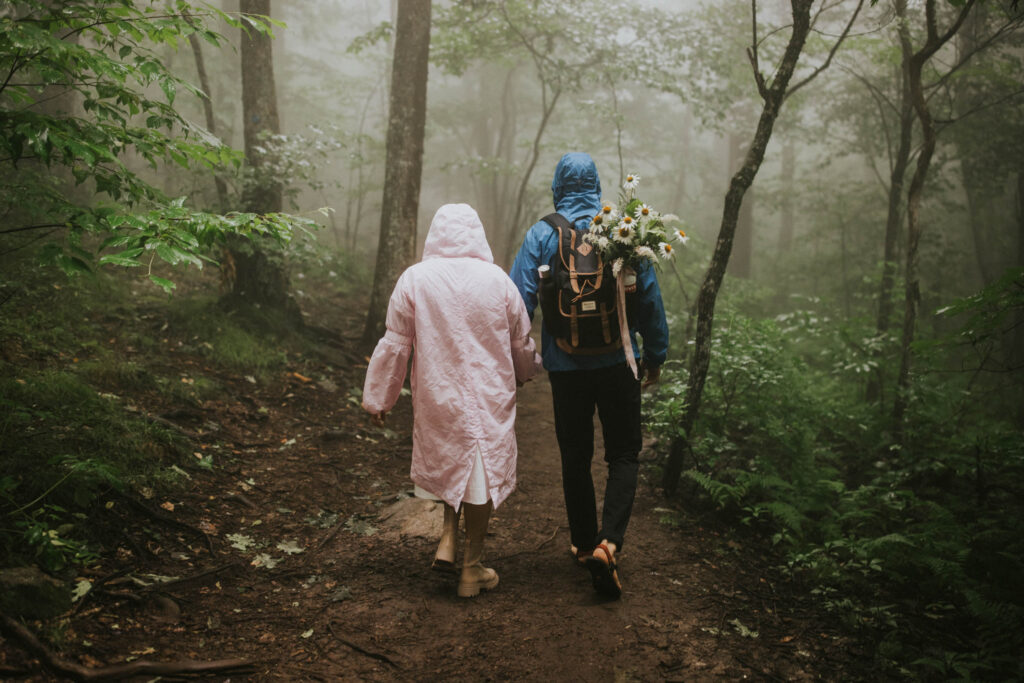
(304, 582)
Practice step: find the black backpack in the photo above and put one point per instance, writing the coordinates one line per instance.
(578, 296)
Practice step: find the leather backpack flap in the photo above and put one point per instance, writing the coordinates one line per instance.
(585, 271)
(586, 311)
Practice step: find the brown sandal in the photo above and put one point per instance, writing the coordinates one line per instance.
(601, 564)
(579, 558)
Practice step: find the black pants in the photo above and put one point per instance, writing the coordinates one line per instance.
(616, 394)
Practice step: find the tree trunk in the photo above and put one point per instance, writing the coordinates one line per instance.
(259, 108)
(788, 215)
(1018, 334)
(211, 123)
(743, 246)
(407, 117)
(255, 270)
(914, 195)
(741, 181)
(893, 221)
(515, 230)
(972, 166)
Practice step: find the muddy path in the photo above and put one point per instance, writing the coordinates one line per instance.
(308, 581)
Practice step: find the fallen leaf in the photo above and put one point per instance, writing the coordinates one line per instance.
(786, 639)
(167, 505)
(301, 377)
(307, 634)
(81, 589)
(264, 560)
(241, 541)
(290, 547)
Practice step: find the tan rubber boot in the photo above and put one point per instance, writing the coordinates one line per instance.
(444, 558)
(476, 577)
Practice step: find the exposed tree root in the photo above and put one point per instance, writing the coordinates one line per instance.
(15, 632)
(164, 519)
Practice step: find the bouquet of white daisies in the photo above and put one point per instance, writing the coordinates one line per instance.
(633, 233)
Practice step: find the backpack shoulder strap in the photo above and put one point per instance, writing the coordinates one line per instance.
(557, 220)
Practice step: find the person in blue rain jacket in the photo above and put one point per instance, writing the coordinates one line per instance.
(581, 383)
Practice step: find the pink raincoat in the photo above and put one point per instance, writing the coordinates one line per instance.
(470, 329)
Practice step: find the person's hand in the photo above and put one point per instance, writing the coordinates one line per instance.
(651, 375)
(378, 418)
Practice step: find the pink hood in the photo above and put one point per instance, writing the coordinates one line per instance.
(456, 232)
(469, 328)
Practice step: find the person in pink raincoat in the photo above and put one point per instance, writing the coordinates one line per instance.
(469, 328)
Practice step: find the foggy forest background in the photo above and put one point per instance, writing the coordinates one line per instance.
(851, 387)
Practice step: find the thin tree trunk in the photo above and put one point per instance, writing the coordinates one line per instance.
(1018, 335)
(259, 108)
(773, 97)
(255, 270)
(407, 116)
(685, 150)
(353, 222)
(844, 268)
(788, 215)
(973, 168)
(515, 230)
(914, 195)
(211, 123)
(739, 264)
(893, 221)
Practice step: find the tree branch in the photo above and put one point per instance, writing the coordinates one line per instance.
(832, 53)
(26, 228)
(762, 89)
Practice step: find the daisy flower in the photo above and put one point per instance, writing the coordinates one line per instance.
(625, 230)
(632, 180)
(665, 249)
(597, 224)
(608, 212)
(681, 236)
(645, 213)
(646, 252)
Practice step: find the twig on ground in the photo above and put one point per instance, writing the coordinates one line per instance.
(164, 422)
(532, 550)
(199, 575)
(329, 537)
(239, 498)
(373, 655)
(15, 632)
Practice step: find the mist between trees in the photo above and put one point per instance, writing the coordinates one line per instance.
(847, 366)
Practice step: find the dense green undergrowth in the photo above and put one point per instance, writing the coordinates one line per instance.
(85, 365)
(919, 546)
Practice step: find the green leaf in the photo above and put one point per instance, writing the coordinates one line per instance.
(126, 258)
(170, 89)
(167, 285)
(168, 253)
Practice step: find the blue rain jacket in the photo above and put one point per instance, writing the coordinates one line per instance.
(577, 193)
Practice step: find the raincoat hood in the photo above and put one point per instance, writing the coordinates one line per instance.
(456, 232)
(576, 188)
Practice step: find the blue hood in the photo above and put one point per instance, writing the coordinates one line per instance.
(576, 187)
